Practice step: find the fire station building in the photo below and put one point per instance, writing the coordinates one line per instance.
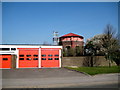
(30, 56)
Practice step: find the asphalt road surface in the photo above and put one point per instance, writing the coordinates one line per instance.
(56, 78)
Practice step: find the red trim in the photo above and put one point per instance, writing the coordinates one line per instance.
(28, 48)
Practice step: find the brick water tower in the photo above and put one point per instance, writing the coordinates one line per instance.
(71, 40)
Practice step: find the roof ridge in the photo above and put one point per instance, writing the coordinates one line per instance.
(71, 34)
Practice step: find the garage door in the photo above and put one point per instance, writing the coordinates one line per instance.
(28, 57)
(5, 61)
(50, 57)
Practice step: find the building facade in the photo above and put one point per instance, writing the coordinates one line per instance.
(30, 56)
(71, 40)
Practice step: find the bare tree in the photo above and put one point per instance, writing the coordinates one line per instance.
(109, 42)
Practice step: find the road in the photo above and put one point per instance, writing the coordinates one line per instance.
(56, 78)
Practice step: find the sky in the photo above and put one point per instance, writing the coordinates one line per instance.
(34, 22)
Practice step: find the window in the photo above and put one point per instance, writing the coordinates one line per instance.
(21, 58)
(28, 55)
(28, 59)
(43, 55)
(13, 49)
(56, 55)
(4, 49)
(49, 58)
(68, 47)
(50, 55)
(56, 58)
(35, 55)
(35, 58)
(43, 58)
(5, 58)
(21, 55)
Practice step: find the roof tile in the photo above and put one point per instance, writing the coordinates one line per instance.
(71, 34)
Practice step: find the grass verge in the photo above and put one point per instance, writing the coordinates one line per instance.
(97, 70)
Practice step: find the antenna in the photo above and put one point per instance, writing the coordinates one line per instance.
(55, 38)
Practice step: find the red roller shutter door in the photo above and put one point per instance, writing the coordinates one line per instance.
(28, 57)
(5, 61)
(50, 57)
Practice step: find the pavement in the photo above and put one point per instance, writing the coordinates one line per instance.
(38, 73)
(56, 78)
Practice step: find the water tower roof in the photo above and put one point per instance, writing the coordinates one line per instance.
(71, 35)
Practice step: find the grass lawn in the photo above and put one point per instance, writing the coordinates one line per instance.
(97, 70)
